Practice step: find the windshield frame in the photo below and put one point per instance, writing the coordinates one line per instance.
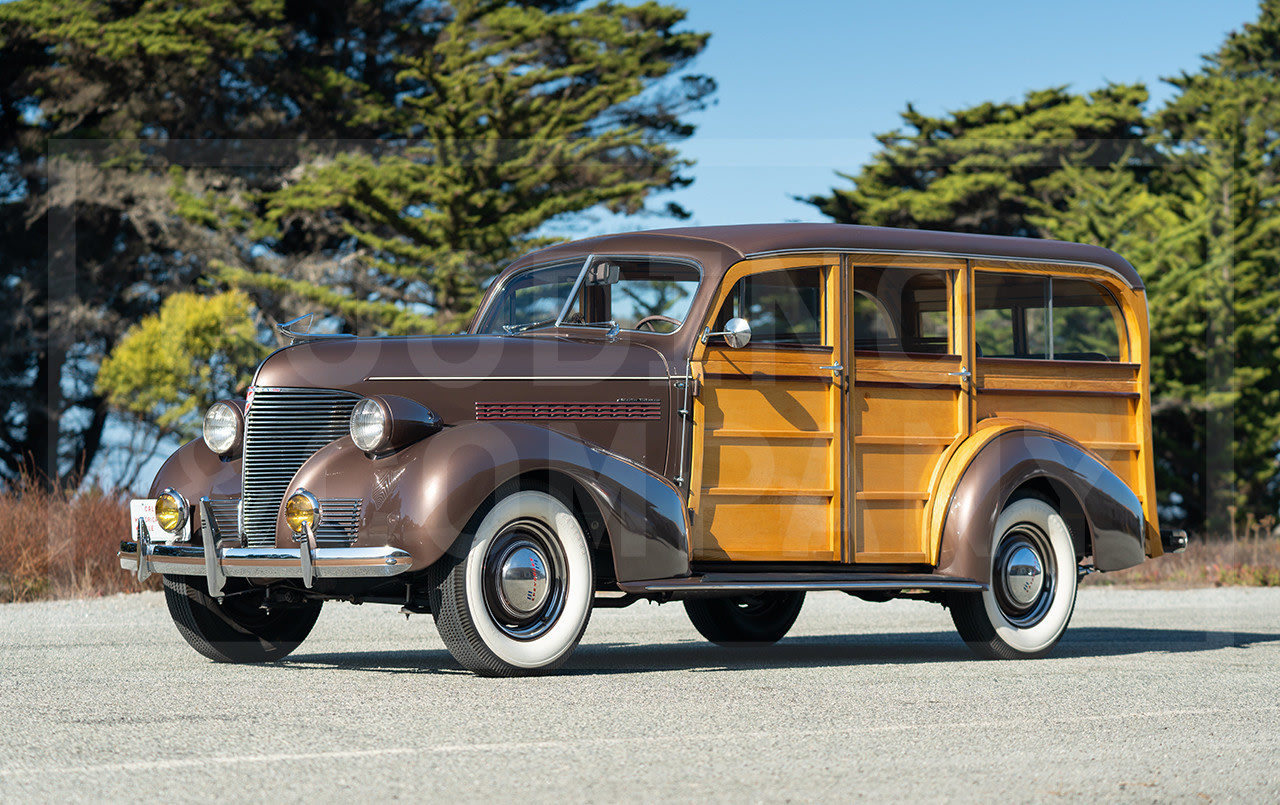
(591, 259)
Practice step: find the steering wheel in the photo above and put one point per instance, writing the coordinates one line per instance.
(651, 320)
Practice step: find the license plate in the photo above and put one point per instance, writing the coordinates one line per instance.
(146, 509)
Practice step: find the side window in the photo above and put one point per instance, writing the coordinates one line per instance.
(898, 310)
(784, 308)
(1044, 318)
(1086, 322)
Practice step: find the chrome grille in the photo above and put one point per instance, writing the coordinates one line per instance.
(226, 515)
(339, 521)
(284, 428)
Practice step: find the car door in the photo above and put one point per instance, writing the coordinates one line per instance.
(766, 480)
(910, 400)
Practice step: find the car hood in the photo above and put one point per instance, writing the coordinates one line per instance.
(401, 364)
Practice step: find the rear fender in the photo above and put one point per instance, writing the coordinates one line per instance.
(1001, 461)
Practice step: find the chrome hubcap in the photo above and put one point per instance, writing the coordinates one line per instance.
(1023, 575)
(522, 579)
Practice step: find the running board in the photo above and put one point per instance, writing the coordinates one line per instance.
(811, 582)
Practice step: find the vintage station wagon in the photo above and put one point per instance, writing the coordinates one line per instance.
(729, 416)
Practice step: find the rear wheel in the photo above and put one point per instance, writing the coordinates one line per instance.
(1026, 608)
(757, 619)
(517, 602)
(236, 628)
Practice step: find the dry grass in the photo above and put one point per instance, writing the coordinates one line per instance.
(1250, 562)
(62, 544)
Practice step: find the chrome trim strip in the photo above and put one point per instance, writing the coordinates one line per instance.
(526, 378)
(1004, 258)
(769, 582)
(272, 563)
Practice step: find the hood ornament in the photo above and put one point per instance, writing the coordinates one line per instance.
(298, 336)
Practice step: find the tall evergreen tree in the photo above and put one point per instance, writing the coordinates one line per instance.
(517, 115)
(1223, 129)
(989, 167)
(140, 141)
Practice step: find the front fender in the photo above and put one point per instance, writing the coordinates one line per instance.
(421, 498)
(196, 471)
(1091, 496)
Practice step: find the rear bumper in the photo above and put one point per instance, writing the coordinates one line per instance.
(217, 563)
(1173, 540)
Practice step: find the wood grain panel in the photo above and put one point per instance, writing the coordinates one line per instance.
(764, 529)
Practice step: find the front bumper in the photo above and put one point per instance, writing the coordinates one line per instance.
(216, 563)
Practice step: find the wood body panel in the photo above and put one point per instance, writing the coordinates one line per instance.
(1096, 404)
(906, 415)
(769, 480)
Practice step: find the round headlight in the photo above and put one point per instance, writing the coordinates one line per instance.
(370, 425)
(221, 428)
(302, 511)
(171, 511)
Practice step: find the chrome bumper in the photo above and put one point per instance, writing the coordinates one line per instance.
(216, 563)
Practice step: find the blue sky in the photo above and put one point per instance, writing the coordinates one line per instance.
(805, 84)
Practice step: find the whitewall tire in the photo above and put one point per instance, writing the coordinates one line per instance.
(1025, 610)
(517, 599)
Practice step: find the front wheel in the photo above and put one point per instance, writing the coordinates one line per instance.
(517, 602)
(756, 619)
(237, 627)
(1025, 610)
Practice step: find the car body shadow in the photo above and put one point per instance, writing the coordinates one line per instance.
(880, 648)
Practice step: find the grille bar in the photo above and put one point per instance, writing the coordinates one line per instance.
(226, 515)
(283, 428)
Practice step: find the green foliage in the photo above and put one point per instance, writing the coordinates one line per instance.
(523, 113)
(989, 168)
(173, 365)
(1188, 194)
(147, 146)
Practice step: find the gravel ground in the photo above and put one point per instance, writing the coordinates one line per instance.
(1153, 696)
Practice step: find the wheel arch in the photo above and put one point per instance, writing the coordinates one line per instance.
(635, 519)
(1103, 513)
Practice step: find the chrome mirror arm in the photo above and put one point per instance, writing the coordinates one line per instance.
(737, 333)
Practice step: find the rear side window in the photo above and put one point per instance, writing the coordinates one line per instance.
(1045, 318)
(901, 310)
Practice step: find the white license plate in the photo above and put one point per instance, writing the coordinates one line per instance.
(146, 509)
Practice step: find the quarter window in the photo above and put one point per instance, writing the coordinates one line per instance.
(1045, 318)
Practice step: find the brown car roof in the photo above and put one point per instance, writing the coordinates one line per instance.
(732, 243)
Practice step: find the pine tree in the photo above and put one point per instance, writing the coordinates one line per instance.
(990, 167)
(516, 116)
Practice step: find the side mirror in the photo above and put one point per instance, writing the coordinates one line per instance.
(737, 333)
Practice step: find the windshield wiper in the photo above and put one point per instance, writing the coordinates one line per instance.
(512, 329)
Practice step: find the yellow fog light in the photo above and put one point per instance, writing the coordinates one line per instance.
(171, 511)
(302, 510)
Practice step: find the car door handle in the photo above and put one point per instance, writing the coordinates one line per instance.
(964, 374)
(835, 368)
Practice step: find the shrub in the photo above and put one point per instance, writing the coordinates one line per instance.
(59, 544)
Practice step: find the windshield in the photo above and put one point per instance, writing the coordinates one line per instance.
(633, 293)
